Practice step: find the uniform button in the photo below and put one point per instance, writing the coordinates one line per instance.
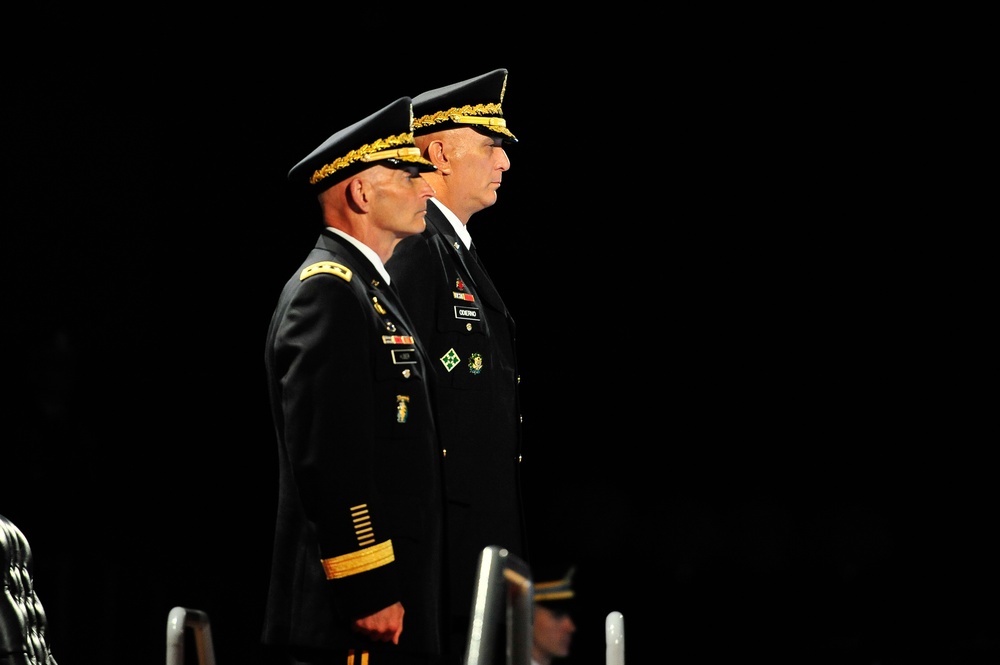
(406, 373)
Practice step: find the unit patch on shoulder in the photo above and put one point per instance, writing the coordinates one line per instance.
(328, 268)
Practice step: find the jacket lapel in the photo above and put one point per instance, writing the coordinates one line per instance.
(480, 279)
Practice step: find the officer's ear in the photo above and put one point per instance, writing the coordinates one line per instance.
(437, 156)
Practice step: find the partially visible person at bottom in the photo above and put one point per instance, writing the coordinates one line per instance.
(468, 331)
(552, 623)
(356, 573)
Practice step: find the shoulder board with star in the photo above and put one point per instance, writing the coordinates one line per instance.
(326, 268)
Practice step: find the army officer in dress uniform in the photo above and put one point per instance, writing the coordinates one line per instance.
(356, 574)
(467, 329)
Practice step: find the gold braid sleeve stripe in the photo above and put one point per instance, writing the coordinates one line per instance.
(362, 561)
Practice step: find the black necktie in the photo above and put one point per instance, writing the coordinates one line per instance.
(475, 255)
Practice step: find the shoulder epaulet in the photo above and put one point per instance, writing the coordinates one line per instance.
(327, 267)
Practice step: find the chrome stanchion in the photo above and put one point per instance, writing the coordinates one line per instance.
(503, 584)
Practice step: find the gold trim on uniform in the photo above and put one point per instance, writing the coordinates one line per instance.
(386, 148)
(468, 115)
(327, 267)
(363, 530)
(362, 561)
(405, 154)
(362, 525)
(362, 661)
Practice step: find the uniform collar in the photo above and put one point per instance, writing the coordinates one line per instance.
(364, 249)
(456, 223)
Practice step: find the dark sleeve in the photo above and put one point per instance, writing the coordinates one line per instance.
(328, 400)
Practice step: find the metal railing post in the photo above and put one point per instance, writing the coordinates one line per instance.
(181, 618)
(503, 584)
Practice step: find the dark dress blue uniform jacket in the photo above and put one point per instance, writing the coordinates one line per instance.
(470, 337)
(359, 519)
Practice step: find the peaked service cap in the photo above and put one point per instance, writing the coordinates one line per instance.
(475, 103)
(556, 594)
(384, 137)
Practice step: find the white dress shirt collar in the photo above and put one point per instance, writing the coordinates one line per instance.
(365, 249)
(460, 228)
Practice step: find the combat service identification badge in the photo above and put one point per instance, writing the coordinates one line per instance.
(402, 408)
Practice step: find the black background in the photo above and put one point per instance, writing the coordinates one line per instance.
(751, 397)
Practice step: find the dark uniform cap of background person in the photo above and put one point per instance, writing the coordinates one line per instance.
(475, 103)
(555, 593)
(385, 137)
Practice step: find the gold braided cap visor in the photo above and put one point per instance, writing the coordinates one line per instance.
(468, 115)
(371, 152)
